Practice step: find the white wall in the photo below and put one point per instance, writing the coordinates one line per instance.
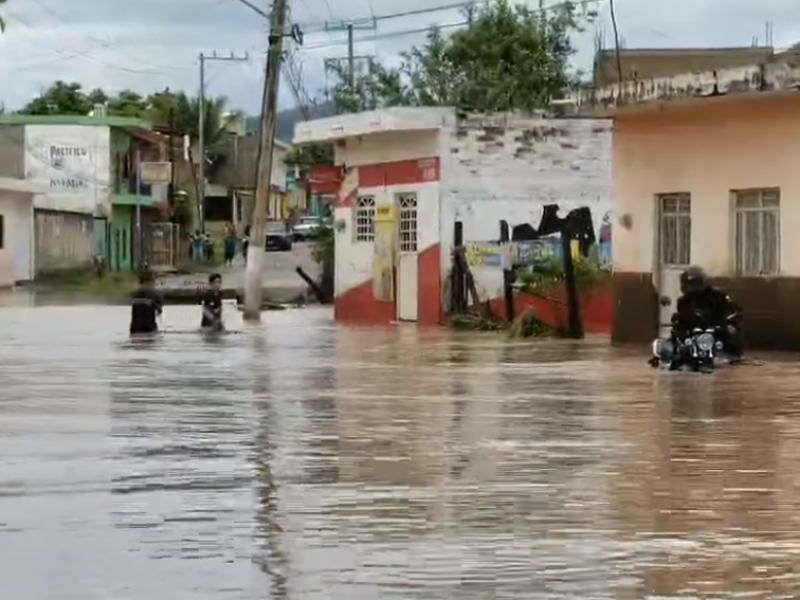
(16, 255)
(71, 162)
(354, 259)
(510, 166)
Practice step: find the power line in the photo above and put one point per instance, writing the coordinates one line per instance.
(382, 36)
(416, 31)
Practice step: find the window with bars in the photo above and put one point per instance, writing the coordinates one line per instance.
(365, 219)
(675, 229)
(407, 222)
(756, 231)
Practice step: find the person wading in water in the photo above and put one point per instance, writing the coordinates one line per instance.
(211, 301)
(146, 306)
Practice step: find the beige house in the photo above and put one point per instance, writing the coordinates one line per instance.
(705, 171)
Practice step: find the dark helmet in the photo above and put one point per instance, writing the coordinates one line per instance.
(693, 280)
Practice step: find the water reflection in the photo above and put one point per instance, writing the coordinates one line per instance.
(303, 460)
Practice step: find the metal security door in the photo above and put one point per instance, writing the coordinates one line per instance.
(407, 280)
(674, 248)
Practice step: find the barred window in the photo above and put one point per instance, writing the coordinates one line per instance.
(675, 233)
(365, 219)
(756, 226)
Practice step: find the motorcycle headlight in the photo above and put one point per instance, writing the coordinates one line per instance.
(705, 342)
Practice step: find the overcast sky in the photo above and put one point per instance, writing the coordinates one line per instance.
(147, 45)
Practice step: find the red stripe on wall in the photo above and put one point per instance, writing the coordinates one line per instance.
(429, 287)
(402, 172)
(358, 304)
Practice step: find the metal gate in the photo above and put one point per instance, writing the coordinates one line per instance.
(163, 248)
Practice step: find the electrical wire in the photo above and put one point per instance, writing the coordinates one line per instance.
(416, 31)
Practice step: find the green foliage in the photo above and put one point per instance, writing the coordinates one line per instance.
(162, 108)
(2, 22)
(310, 156)
(529, 325)
(323, 250)
(508, 57)
(548, 275)
(475, 322)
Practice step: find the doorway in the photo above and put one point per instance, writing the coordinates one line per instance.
(407, 269)
(674, 248)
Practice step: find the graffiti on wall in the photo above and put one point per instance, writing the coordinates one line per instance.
(485, 254)
(533, 245)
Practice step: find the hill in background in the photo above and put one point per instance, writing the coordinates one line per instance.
(288, 118)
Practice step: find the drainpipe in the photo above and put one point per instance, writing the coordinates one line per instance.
(139, 241)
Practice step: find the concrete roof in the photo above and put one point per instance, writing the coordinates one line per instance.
(384, 120)
(20, 186)
(120, 122)
(780, 73)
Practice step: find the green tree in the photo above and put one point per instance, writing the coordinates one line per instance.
(2, 22)
(508, 57)
(61, 98)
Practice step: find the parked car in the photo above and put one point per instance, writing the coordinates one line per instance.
(278, 237)
(307, 228)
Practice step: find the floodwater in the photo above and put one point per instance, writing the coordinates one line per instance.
(306, 461)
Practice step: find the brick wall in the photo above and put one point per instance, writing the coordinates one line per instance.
(509, 166)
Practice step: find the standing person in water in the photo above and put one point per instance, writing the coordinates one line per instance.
(146, 306)
(211, 302)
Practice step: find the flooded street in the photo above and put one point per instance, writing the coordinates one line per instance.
(307, 461)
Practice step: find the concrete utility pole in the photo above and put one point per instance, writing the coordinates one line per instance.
(201, 129)
(350, 28)
(269, 109)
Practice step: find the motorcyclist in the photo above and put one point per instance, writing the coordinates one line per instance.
(703, 306)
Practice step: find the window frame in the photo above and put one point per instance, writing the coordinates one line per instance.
(365, 205)
(737, 254)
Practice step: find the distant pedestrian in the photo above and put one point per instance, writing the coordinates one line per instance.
(208, 247)
(197, 246)
(245, 243)
(230, 247)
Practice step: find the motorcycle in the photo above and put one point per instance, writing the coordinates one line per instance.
(702, 350)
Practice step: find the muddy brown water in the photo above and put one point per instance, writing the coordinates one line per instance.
(302, 460)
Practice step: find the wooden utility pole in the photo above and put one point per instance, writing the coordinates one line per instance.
(269, 109)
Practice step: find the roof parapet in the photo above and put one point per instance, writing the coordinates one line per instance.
(779, 75)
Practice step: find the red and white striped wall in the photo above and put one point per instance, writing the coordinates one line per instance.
(417, 277)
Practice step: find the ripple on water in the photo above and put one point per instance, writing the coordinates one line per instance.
(303, 460)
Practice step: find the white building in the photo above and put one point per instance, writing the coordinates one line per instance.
(16, 231)
(409, 174)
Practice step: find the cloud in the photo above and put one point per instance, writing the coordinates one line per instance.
(147, 45)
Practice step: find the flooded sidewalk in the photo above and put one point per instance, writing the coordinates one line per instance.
(302, 460)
